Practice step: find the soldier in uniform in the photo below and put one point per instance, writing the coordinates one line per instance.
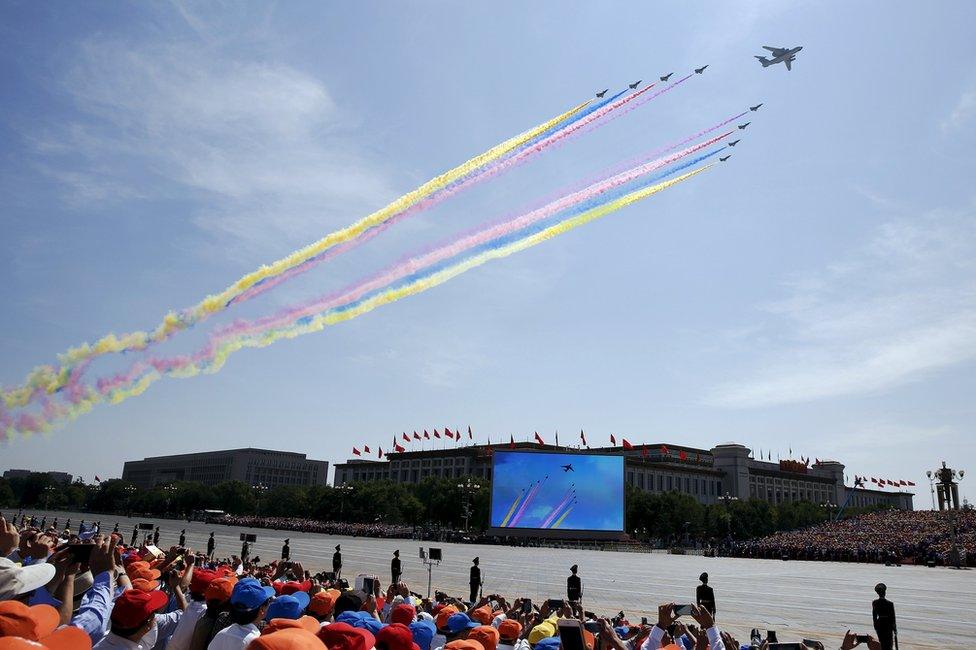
(704, 595)
(395, 569)
(337, 561)
(245, 551)
(156, 536)
(211, 544)
(475, 580)
(574, 586)
(135, 536)
(286, 550)
(182, 538)
(883, 614)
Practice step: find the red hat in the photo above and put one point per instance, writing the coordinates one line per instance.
(510, 629)
(342, 636)
(395, 636)
(287, 639)
(403, 613)
(201, 580)
(291, 587)
(134, 607)
(486, 635)
(21, 625)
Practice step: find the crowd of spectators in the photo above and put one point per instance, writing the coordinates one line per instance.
(67, 590)
(312, 526)
(895, 536)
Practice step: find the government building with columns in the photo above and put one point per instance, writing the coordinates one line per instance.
(707, 474)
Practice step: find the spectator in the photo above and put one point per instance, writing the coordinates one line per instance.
(134, 620)
(248, 604)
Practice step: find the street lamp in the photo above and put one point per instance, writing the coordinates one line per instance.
(947, 484)
(728, 500)
(260, 488)
(129, 491)
(931, 486)
(48, 491)
(468, 488)
(343, 489)
(168, 491)
(829, 507)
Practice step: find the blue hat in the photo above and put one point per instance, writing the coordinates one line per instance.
(288, 606)
(548, 643)
(622, 630)
(362, 620)
(423, 633)
(459, 622)
(248, 594)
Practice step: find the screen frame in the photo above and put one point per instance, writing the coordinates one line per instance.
(579, 533)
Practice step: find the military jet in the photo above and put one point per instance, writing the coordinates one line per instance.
(742, 127)
(751, 108)
(701, 69)
(724, 158)
(602, 92)
(780, 55)
(568, 468)
(635, 84)
(667, 76)
(734, 142)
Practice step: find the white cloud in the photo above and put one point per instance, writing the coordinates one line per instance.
(964, 111)
(897, 310)
(260, 147)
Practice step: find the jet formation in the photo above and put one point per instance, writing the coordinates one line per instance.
(635, 84)
(784, 55)
(667, 76)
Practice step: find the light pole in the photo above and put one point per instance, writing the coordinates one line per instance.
(829, 507)
(48, 491)
(931, 487)
(169, 490)
(260, 489)
(468, 488)
(129, 491)
(727, 499)
(343, 489)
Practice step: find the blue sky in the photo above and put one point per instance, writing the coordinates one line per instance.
(817, 291)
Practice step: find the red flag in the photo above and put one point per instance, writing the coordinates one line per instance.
(644, 451)
(539, 439)
(447, 432)
(626, 444)
(436, 434)
(511, 442)
(583, 438)
(97, 480)
(426, 435)
(416, 436)
(379, 453)
(911, 484)
(902, 482)
(406, 438)
(356, 452)
(613, 441)
(682, 455)
(366, 448)
(816, 461)
(664, 450)
(470, 435)
(399, 449)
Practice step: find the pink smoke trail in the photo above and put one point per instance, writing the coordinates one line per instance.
(528, 498)
(555, 511)
(493, 169)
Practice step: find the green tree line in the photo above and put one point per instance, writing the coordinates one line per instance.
(433, 502)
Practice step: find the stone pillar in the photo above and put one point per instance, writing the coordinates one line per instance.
(733, 461)
(835, 470)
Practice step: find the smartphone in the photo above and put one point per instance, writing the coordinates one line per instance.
(369, 586)
(593, 627)
(682, 610)
(863, 638)
(786, 646)
(527, 606)
(813, 645)
(554, 603)
(571, 634)
(80, 553)
(643, 620)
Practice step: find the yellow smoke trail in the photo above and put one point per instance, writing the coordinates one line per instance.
(50, 379)
(561, 517)
(512, 509)
(332, 317)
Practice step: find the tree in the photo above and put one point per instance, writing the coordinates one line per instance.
(235, 497)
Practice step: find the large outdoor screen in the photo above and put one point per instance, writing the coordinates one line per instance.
(544, 491)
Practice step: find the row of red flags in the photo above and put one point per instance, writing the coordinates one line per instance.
(884, 482)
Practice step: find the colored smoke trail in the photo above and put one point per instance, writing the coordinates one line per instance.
(48, 379)
(213, 358)
(560, 520)
(555, 511)
(512, 509)
(528, 499)
(555, 136)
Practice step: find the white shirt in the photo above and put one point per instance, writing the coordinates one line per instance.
(164, 625)
(184, 630)
(234, 637)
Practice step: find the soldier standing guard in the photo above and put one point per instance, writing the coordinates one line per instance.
(182, 538)
(574, 586)
(475, 580)
(705, 595)
(285, 550)
(211, 544)
(883, 614)
(395, 569)
(337, 561)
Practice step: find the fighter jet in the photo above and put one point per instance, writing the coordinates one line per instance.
(742, 127)
(751, 108)
(635, 84)
(724, 158)
(602, 92)
(701, 69)
(568, 468)
(780, 55)
(733, 143)
(667, 76)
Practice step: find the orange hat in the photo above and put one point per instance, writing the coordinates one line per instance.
(220, 589)
(510, 629)
(589, 639)
(143, 573)
(304, 623)
(464, 644)
(443, 615)
(486, 635)
(322, 603)
(145, 585)
(66, 638)
(482, 615)
(287, 639)
(39, 624)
